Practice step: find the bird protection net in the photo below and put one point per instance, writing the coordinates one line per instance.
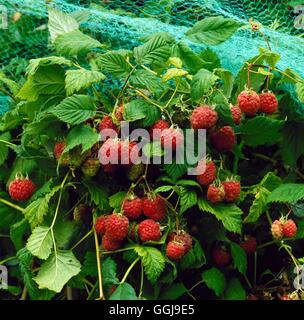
(122, 24)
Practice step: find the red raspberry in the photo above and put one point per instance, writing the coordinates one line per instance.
(172, 138)
(209, 175)
(289, 228)
(132, 207)
(157, 128)
(58, 150)
(105, 125)
(175, 250)
(109, 152)
(249, 102)
(183, 238)
(117, 227)
(232, 190)
(249, 245)
(154, 207)
(221, 257)
(252, 297)
(236, 114)
(109, 245)
(215, 193)
(203, 117)
(100, 225)
(149, 230)
(277, 230)
(223, 139)
(21, 189)
(128, 153)
(268, 103)
(90, 167)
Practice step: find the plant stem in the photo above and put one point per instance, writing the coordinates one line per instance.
(266, 244)
(8, 143)
(82, 239)
(101, 296)
(11, 205)
(197, 284)
(117, 251)
(129, 270)
(141, 281)
(92, 291)
(7, 260)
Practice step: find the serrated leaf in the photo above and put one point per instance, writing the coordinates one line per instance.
(289, 192)
(12, 85)
(215, 280)
(99, 195)
(40, 242)
(258, 206)
(6, 136)
(113, 63)
(239, 257)
(174, 73)
(52, 60)
(36, 211)
(188, 199)
(234, 290)
(64, 231)
(77, 80)
(146, 80)
(300, 91)
(225, 115)
(261, 130)
(82, 135)
(228, 214)
(227, 77)
(298, 209)
(8, 215)
(175, 171)
(60, 23)
(109, 276)
(153, 262)
(163, 189)
(213, 30)
(202, 82)
(194, 258)
(141, 110)
(156, 49)
(153, 149)
(174, 291)
(116, 200)
(270, 57)
(57, 270)
(75, 43)
(75, 109)
(17, 232)
(124, 292)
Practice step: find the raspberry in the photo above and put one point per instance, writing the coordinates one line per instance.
(21, 189)
(90, 167)
(149, 230)
(215, 193)
(268, 103)
(223, 139)
(249, 245)
(236, 114)
(117, 227)
(183, 238)
(203, 117)
(221, 257)
(289, 228)
(132, 207)
(172, 138)
(128, 152)
(100, 225)
(83, 213)
(249, 102)
(105, 125)
(109, 245)
(209, 175)
(135, 171)
(109, 152)
(252, 297)
(232, 190)
(175, 250)
(277, 230)
(157, 128)
(58, 151)
(154, 207)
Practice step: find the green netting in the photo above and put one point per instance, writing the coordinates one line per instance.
(123, 23)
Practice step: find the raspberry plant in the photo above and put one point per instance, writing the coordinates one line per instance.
(92, 231)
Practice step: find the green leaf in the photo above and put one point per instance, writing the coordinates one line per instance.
(215, 280)
(153, 149)
(99, 195)
(239, 257)
(211, 59)
(300, 91)
(234, 290)
(213, 30)
(225, 115)
(113, 63)
(289, 192)
(75, 43)
(116, 200)
(77, 80)
(8, 215)
(17, 232)
(202, 83)
(290, 76)
(12, 85)
(40, 242)
(60, 23)
(153, 262)
(228, 214)
(37, 210)
(156, 49)
(146, 80)
(143, 111)
(174, 73)
(163, 189)
(6, 136)
(194, 258)
(82, 135)
(109, 271)
(64, 231)
(124, 292)
(258, 206)
(52, 60)
(174, 170)
(57, 270)
(261, 130)
(75, 109)
(173, 292)
(188, 199)
(227, 78)
(270, 57)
